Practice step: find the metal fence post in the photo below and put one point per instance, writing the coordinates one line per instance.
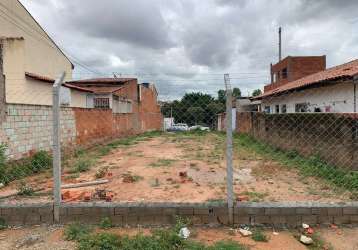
(229, 170)
(56, 148)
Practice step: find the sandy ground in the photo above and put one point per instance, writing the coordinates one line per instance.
(50, 237)
(181, 168)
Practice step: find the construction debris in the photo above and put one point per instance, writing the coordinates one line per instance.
(28, 241)
(305, 226)
(306, 240)
(2, 185)
(84, 184)
(183, 174)
(184, 233)
(245, 232)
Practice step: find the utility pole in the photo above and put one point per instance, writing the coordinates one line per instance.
(279, 45)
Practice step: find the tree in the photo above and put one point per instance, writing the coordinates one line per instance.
(256, 92)
(221, 96)
(236, 92)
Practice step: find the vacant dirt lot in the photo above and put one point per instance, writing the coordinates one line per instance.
(51, 237)
(185, 168)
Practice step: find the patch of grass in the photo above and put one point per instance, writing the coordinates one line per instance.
(81, 165)
(258, 235)
(25, 190)
(101, 241)
(162, 163)
(160, 239)
(77, 231)
(72, 176)
(3, 224)
(319, 243)
(307, 166)
(16, 170)
(106, 223)
(255, 196)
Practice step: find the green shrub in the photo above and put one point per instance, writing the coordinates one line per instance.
(101, 241)
(25, 190)
(76, 231)
(3, 224)
(106, 223)
(258, 235)
(83, 164)
(40, 161)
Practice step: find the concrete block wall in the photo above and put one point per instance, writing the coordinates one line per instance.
(28, 128)
(283, 214)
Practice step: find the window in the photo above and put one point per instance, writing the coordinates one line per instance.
(101, 103)
(283, 108)
(301, 107)
(267, 109)
(284, 73)
(277, 109)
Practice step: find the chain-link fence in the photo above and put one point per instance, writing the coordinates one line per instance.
(162, 143)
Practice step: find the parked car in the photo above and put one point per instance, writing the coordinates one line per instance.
(178, 127)
(199, 127)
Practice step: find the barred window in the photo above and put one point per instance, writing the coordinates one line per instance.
(102, 103)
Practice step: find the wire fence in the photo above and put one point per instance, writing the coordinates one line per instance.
(149, 144)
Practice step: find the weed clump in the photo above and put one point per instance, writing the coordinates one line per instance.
(106, 223)
(77, 231)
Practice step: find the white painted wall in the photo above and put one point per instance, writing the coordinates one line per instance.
(337, 98)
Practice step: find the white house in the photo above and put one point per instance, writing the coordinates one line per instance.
(330, 90)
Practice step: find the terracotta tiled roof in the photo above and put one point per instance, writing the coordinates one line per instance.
(102, 80)
(39, 78)
(346, 70)
(77, 87)
(102, 90)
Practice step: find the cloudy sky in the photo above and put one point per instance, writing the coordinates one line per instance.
(187, 45)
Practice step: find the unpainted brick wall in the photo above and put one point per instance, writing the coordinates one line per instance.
(333, 137)
(28, 129)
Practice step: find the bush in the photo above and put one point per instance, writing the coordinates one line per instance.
(10, 171)
(77, 231)
(40, 161)
(258, 235)
(3, 224)
(101, 241)
(106, 223)
(82, 165)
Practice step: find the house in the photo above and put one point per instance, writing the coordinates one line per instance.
(118, 94)
(30, 59)
(122, 95)
(244, 104)
(303, 84)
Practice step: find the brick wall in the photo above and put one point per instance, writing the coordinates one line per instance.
(28, 128)
(273, 214)
(334, 137)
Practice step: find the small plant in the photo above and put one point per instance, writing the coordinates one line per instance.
(101, 172)
(76, 231)
(3, 224)
(40, 161)
(181, 222)
(258, 235)
(72, 176)
(162, 163)
(106, 223)
(25, 190)
(105, 241)
(82, 165)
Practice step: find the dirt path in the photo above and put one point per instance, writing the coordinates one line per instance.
(190, 168)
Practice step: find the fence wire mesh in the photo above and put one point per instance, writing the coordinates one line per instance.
(165, 142)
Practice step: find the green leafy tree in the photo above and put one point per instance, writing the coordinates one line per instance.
(256, 92)
(236, 92)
